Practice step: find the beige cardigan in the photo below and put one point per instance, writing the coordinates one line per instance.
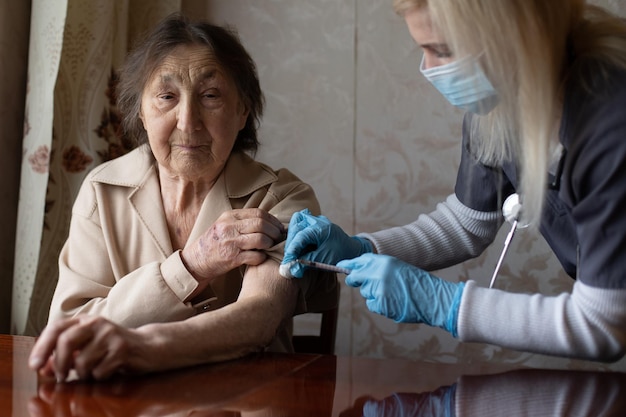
(118, 260)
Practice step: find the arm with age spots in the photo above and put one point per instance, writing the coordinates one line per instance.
(131, 283)
(97, 348)
(233, 240)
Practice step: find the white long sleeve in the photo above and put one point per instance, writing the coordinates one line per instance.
(586, 324)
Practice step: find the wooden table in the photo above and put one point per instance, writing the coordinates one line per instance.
(310, 385)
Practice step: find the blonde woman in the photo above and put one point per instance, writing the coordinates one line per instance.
(544, 86)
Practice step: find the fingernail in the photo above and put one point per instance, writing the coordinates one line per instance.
(35, 362)
(59, 377)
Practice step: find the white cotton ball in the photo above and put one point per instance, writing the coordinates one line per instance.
(283, 269)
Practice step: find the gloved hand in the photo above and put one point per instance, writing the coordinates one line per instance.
(403, 292)
(329, 243)
(438, 403)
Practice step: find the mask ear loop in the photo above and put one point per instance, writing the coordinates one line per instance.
(511, 210)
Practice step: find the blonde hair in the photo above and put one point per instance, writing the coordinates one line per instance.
(403, 6)
(528, 49)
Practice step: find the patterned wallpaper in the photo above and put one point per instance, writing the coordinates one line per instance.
(348, 111)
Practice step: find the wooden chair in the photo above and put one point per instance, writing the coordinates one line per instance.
(324, 343)
(326, 299)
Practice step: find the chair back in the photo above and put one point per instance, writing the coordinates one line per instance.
(324, 343)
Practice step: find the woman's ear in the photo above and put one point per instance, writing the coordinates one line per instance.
(143, 123)
(244, 115)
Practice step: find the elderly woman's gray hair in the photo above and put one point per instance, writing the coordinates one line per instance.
(178, 30)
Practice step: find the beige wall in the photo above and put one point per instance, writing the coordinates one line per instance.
(348, 111)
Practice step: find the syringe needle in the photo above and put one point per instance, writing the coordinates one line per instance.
(323, 266)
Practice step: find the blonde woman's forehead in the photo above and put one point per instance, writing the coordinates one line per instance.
(403, 6)
(421, 27)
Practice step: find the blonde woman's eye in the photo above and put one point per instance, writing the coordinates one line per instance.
(446, 53)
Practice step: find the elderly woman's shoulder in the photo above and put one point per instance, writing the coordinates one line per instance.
(128, 169)
(246, 173)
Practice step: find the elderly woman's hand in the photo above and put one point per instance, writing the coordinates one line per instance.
(90, 345)
(236, 238)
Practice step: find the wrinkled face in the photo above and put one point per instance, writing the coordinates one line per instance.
(436, 50)
(192, 113)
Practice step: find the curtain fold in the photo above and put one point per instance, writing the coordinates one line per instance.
(72, 125)
(46, 33)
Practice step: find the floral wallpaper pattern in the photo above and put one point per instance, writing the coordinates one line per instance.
(110, 127)
(75, 160)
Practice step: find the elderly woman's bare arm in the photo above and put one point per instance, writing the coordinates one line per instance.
(265, 302)
(97, 348)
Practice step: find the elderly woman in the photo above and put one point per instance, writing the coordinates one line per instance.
(173, 253)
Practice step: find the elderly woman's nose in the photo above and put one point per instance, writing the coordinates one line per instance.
(189, 116)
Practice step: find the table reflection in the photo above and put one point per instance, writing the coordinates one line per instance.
(249, 387)
(515, 393)
(281, 385)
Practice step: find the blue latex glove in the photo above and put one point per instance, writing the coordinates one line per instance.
(439, 403)
(326, 241)
(403, 292)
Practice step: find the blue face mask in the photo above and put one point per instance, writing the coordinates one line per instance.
(463, 84)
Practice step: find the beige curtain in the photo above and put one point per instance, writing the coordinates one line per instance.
(70, 127)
